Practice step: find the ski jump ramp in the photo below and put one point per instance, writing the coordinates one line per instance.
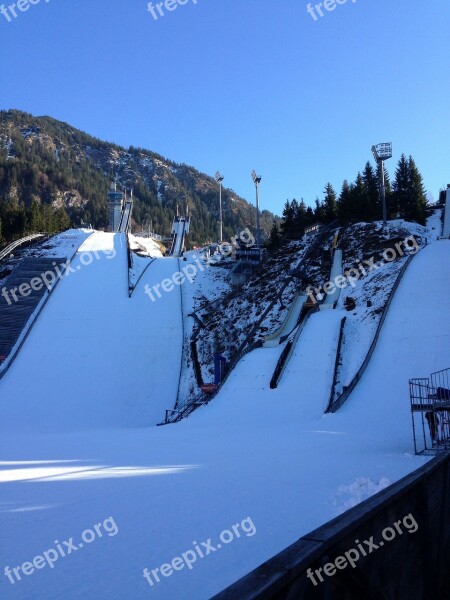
(271, 341)
(336, 270)
(96, 358)
(180, 228)
(126, 217)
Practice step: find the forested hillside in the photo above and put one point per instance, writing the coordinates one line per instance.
(53, 176)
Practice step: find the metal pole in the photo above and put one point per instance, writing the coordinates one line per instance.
(220, 213)
(258, 237)
(383, 193)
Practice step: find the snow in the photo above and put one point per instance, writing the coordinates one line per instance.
(270, 455)
(434, 224)
(77, 368)
(371, 292)
(146, 246)
(144, 251)
(362, 488)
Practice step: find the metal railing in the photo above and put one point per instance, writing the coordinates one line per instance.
(430, 412)
(7, 251)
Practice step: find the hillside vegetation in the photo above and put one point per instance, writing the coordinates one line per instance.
(53, 176)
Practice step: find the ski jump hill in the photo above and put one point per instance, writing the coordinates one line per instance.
(94, 356)
(77, 443)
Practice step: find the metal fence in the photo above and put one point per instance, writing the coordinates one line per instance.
(430, 412)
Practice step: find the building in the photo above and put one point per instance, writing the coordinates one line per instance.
(313, 228)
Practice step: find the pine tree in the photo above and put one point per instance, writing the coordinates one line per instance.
(275, 237)
(319, 211)
(358, 200)
(301, 219)
(401, 188)
(329, 204)
(288, 219)
(62, 221)
(344, 204)
(418, 195)
(373, 209)
(34, 221)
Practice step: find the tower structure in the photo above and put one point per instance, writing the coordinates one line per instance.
(115, 203)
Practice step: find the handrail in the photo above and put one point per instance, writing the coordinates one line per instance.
(6, 251)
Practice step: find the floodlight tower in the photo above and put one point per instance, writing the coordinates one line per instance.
(382, 152)
(257, 180)
(219, 179)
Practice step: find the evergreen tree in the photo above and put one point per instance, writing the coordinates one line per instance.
(34, 221)
(301, 220)
(401, 188)
(319, 211)
(329, 204)
(358, 200)
(288, 224)
(294, 209)
(373, 210)
(418, 195)
(344, 203)
(62, 221)
(275, 237)
(310, 216)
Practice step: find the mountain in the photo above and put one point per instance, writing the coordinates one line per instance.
(53, 176)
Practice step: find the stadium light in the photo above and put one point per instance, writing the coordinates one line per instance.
(219, 179)
(257, 180)
(382, 152)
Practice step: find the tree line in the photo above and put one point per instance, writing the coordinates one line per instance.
(359, 201)
(72, 169)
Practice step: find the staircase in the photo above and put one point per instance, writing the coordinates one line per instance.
(16, 308)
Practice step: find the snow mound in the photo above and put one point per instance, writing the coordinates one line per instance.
(362, 488)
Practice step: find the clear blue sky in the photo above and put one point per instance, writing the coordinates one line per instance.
(242, 84)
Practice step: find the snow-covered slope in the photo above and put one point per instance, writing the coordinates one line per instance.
(270, 455)
(94, 357)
